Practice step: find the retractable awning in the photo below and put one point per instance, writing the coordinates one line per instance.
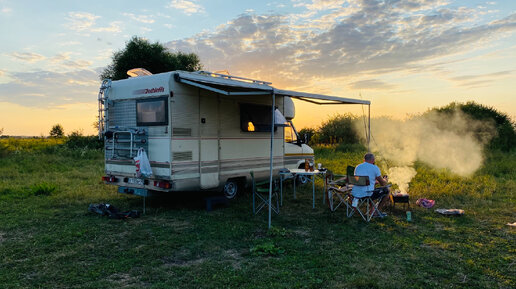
(234, 85)
(319, 98)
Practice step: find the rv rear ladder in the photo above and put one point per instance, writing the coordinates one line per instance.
(103, 106)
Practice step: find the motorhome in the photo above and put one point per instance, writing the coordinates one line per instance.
(200, 131)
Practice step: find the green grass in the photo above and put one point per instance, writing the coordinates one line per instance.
(49, 240)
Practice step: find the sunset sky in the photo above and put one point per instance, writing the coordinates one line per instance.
(404, 56)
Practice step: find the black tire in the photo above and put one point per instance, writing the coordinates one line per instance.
(231, 189)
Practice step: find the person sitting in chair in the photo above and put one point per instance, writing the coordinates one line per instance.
(368, 168)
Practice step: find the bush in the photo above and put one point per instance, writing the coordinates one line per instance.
(77, 141)
(505, 138)
(267, 249)
(43, 189)
(4, 149)
(309, 132)
(339, 129)
(349, 148)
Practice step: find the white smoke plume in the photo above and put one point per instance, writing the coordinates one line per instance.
(402, 177)
(444, 141)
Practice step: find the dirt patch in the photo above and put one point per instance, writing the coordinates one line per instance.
(180, 225)
(234, 258)
(301, 233)
(175, 262)
(183, 258)
(123, 280)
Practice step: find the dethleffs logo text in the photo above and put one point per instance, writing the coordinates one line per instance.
(149, 90)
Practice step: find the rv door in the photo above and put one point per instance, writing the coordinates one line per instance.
(209, 140)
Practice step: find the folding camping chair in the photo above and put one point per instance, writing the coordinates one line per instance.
(363, 205)
(366, 206)
(261, 195)
(338, 191)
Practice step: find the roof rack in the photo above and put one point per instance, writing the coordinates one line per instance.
(233, 77)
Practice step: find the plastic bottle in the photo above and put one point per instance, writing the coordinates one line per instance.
(409, 216)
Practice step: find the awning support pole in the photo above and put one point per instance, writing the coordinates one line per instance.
(369, 127)
(271, 155)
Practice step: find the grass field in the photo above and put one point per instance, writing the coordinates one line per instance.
(49, 240)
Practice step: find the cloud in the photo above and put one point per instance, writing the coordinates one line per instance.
(86, 22)
(80, 21)
(47, 89)
(140, 18)
(28, 56)
(60, 57)
(371, 84)
(480, 79)
(187, 7)
(76, 64)
(114, 27)
(318, 5)
(69, 43)
(361, 37)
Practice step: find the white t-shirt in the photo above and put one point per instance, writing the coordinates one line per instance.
(366, 169)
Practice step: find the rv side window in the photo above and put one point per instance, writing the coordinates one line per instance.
(152, 111)
(255, 118)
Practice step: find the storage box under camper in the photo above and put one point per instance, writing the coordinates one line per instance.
(200, 130)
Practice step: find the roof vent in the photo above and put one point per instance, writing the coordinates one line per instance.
(135, 72)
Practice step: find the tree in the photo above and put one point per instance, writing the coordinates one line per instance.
(57, 131)
(140, 53)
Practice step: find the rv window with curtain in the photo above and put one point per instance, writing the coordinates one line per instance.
(255, 118)
(152, 111)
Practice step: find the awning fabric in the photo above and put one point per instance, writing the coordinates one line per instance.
(319, 98)
(224, 84)
(231, 85)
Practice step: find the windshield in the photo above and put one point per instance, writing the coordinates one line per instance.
(290, 133)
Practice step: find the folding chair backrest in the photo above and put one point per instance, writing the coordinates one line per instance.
(329, 175)
(359, 180)
(350, 171)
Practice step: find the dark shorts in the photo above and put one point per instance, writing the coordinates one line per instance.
(380, 192)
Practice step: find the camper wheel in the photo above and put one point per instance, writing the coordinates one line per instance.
(231, 188)
(301, 179)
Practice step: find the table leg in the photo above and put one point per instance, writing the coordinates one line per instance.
(313, 191)
(294, 186)
(281, 190)
(324, 186)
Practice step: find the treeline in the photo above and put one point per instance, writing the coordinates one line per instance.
(73, 143)
(346, 132)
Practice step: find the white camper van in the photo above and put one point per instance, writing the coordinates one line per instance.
(200, 131)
